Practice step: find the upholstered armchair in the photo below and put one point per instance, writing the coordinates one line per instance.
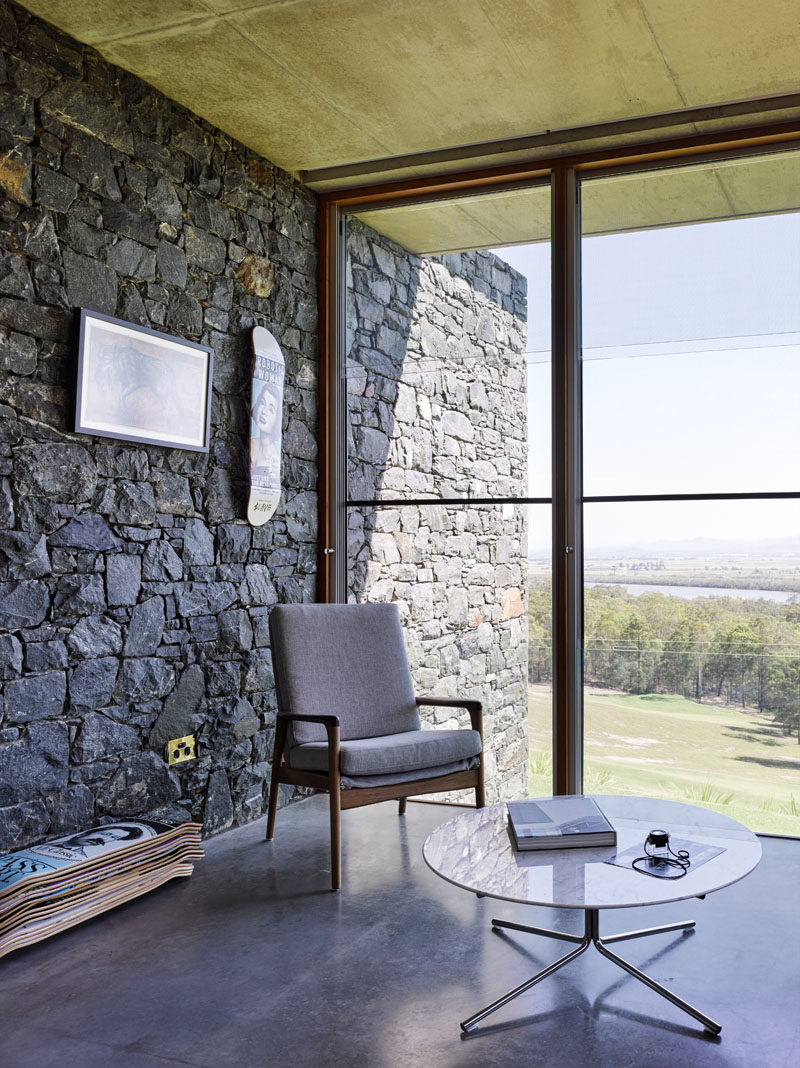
(348, 721)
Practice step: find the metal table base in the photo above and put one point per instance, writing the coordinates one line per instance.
(591, 936)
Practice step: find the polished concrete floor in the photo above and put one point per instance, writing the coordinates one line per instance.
(254, 963)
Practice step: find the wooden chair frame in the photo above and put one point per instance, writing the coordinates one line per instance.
(355, 797)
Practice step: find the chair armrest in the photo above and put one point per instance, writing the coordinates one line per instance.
(326, 721)
(475, 708)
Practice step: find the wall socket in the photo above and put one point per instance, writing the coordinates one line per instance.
(180, 749)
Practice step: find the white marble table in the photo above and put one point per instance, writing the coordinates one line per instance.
(474, 851)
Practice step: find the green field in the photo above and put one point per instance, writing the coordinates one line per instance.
(736, 762)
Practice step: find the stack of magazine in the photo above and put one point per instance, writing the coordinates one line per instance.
(573, 822)
(49, 887)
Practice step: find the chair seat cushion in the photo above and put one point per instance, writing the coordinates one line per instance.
(390, 754)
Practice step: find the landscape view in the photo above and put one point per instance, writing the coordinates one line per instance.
(692, 678)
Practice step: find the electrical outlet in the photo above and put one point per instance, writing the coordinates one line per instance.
(180, 749)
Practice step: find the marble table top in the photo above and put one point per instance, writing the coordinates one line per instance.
(474, 851)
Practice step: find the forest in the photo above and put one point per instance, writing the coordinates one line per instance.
(743, 653)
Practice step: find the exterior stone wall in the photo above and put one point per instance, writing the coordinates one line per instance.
(133, 597)
(436, 380)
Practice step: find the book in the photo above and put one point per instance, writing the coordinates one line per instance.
(572, 822)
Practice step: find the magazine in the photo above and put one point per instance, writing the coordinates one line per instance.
(572, 822)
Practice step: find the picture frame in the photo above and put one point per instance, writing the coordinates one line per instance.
(138, 384)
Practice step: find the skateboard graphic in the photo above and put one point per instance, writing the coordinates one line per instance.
(266, 415)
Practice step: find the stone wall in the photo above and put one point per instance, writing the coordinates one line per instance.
(133, 598)
(436, 380)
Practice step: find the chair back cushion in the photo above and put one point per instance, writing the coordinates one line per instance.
(347, 660)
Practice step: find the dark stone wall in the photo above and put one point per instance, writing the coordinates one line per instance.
(133, 596)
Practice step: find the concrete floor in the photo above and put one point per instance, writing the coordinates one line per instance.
(254, 963)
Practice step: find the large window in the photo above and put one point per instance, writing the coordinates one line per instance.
(632, 593)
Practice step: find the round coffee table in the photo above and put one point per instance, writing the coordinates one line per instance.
(474, 851)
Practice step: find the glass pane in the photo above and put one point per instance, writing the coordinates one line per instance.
(540, 650)
(692, 655)
(437, 347)
(458, 574)
(691, 328)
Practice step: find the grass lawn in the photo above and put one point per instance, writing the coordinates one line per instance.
(660, 745)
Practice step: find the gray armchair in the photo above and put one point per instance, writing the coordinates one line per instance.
(348, 721)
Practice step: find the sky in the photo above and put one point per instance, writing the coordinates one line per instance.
(691, 348)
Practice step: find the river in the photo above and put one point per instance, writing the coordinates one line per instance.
(689, 593)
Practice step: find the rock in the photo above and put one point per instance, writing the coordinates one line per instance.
(75, 104)
(259, 676)
(35, 697)
(23, 604)
(79, 595)
(256, 275)
(257, 589)
(218, 810)
(92, 684)
(72, 810)
(89, 531)
(142, 782)
(90, 284)
(100, 738)
(198, 543)
(184, 315)
(161, 563)
(10, 657)
(164, 203)
(24, 555)
(234, 542)
(180, 708)
(35, 765)
(123, 578)
(203, 598)
(61, 471)
(171, 264)
(95, 636)
(21, 824)
(17, 353)
(131, 503)
(45, 656)
(54, 190)
(133, 224)
(145, 628)
(235, 630)
(122, 461)
(204, 250)
(130, 258)
(144, 680)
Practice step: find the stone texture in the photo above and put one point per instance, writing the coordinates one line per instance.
(91, 685)
(145, 628)
(180, 709)
(100, 738)
(35, 697)
(143, 782)
(437, 408)
(123, 579)
(115, 198)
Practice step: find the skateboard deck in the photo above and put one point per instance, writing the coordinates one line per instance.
(266, 415)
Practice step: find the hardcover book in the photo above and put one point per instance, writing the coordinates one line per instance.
(572, 822)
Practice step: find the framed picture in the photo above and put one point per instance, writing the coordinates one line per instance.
(137, 384)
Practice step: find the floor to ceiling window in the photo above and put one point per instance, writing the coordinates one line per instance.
(691, 378)
(438, 369)
(670, 488)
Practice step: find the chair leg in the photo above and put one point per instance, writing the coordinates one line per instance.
(277, 757)
(336, 841)
(402, 807)
(480, 793)
(273, 806)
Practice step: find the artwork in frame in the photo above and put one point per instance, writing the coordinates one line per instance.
(138, 384)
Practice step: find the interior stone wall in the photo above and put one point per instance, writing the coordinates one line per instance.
(436, 380)
(133, 596)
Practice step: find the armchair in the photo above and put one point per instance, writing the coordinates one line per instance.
(348, 721)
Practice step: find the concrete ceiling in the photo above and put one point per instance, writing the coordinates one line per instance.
(312, 84)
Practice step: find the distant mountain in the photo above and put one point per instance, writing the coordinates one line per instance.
(702, 547)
